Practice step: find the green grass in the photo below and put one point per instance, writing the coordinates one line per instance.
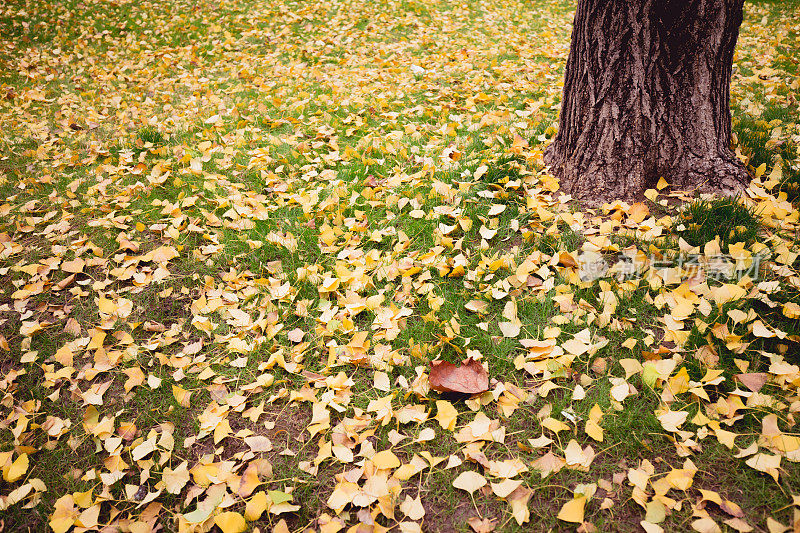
(754, 136)
(726, 219)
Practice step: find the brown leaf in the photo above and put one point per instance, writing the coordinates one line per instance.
(64, 283)
(482, 525)
(753, 381)
(566, 259)
(72, 327)
(127, 430)
(469, 378)
(731, 508)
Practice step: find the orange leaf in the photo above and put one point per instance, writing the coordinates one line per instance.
(566, 259)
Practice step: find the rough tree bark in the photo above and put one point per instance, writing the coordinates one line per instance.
(646, 94)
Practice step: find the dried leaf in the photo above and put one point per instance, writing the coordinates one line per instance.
(753, 381)
(175, 480)
(412, 508)
(482, 525)
(468, 378)
(469, 481)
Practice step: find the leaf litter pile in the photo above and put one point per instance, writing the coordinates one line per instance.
(298, 265)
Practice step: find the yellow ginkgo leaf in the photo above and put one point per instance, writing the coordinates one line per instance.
(256, 506)
(162, 254)
(231, 522)
(760, 330)
(446, 415)
(554, 425)
(75, 266)
(519, 504)
(680, 478)
(64, 514)
(769, 464)
(175, 480)
(477, 306)
(249, 481)
(572, 511)
(791, 310)
(281, 527)
(672, 420)
(469, 481)
(106, 306)
(706, 525)
(182, 396)
(17, 469)
(385, 459)
(412, 508)
(505, 487)
(509, 329)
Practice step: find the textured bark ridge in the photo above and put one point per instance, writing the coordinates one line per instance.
(646, 94)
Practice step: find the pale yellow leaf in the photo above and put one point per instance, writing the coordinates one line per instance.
(412, 508)
(519, 504)
(505, 487)
(175, 480)
(672, 420)
(706, 525)
(509, 329)
(182, 396)
(469, 481)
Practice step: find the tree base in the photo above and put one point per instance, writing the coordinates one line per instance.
(604, 180)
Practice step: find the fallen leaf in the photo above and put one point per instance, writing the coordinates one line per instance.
(477, 306)
(175, 480)
(17, 469)
(230, 522)
(753, 381)
(412, 508)
(296, 335)
(385, 459)
(672, 420)
(256, 506)
(482, 525)
(706, 525)
(505, 487)
(509, 329)
(769, 464)
(519, 504)
(469, 481)
(469, 378)
(572, 511)
(446, 415)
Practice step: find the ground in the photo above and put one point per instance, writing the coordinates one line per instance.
(236, 234)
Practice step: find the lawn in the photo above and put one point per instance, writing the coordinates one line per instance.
(238, 237)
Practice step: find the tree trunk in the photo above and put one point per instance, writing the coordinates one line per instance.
(646, 95)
